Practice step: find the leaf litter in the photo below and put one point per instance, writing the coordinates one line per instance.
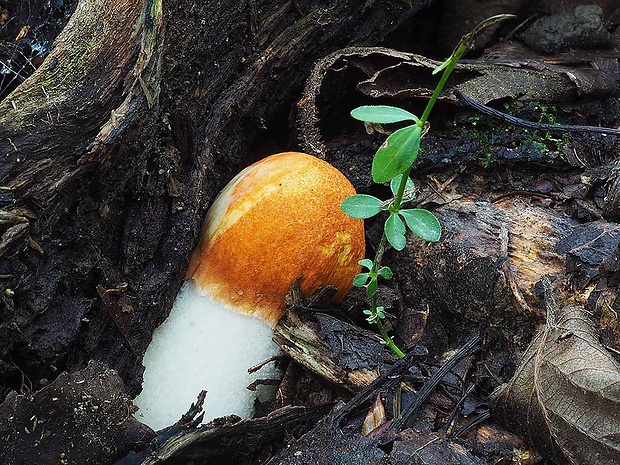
(566, 392)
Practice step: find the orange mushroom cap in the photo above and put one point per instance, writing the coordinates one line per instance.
(278, 220)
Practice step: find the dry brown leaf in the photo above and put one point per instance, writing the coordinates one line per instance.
(565, 396)
(375, 417)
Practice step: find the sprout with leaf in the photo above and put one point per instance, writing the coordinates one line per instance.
(392, 163)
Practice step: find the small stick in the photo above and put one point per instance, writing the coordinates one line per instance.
(409, 414)
(470, 102)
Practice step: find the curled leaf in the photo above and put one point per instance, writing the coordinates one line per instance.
(375, 418)
(565, 395)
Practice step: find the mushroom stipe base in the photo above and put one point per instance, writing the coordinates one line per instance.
(203, 345)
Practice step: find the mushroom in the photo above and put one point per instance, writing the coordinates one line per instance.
(276, 222)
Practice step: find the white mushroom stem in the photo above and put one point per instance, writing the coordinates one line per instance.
(277, 221)
(203, 345)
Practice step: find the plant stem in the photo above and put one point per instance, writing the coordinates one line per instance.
(376, 264)
(465, 43)
(386, 338)
(388, 341)
(452, 61)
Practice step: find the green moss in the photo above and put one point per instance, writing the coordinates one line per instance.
(491, 132)
(547, 114)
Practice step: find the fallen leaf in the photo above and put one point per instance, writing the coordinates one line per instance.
(375, 417)
(565, 395)
(22, 33)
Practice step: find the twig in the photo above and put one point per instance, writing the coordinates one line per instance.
(470, 102)
(469, 425)
(470, 347)
(189, 418)
(391, 378)
(452, 419)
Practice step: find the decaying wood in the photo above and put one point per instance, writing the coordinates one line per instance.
(51, 123)
(328, 441)
(339, 352)
(397, 75)
(338, 437)
(498, 242)
(118, 142)
(226, 439)
(485, 269)
(83, 417)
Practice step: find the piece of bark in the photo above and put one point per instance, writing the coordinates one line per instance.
(339, 437)
(392, 75)
(80, 418)
(484, 269)
(592, 265)
(228, 439)
(492, 439)
(339, 352)
(89, 79)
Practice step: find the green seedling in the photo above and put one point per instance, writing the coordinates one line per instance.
(392, 163)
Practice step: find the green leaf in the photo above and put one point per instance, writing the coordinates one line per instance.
(395, 231)
(381, 312)
(443, 65)
(395, 182)
(361, 206)
(396, 154)
(361, 279)
(366, 263)
(382, 114)
(423, 224)
(385, 272)
(372, 287)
